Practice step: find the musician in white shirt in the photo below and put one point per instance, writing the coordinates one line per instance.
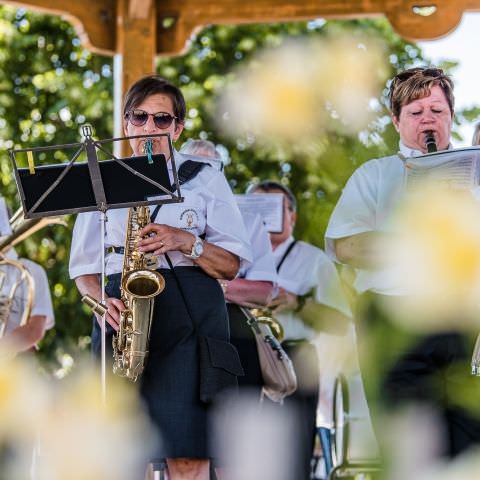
(205, 239)
(19, 338)
(403, 368)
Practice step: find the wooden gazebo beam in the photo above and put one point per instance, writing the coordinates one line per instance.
(97, 21)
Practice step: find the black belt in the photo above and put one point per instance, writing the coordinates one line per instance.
(119, 250)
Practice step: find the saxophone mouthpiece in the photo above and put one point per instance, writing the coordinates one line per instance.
(430, 142)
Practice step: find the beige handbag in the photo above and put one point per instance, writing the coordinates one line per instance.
(279, 378)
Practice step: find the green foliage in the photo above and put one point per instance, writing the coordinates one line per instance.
(49, 85)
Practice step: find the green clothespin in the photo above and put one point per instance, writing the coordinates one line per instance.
(149, 150)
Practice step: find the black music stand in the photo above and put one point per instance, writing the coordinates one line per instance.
(74, 187)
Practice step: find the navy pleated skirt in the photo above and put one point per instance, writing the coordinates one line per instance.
(170, 382)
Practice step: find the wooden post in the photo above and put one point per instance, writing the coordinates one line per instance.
(135, 53)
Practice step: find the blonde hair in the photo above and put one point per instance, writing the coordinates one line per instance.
(416, 83)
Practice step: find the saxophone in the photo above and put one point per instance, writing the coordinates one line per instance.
(140, 283)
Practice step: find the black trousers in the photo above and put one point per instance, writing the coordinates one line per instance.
(304, 403)
(401, 367)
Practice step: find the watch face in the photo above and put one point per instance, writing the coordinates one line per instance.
(198, 248)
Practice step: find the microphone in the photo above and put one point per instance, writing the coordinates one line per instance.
(430, 142)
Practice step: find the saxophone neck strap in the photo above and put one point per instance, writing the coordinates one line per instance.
(188, 170)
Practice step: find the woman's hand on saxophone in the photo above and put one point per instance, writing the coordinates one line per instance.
(114, 306)
(161, 238)
(90, 284)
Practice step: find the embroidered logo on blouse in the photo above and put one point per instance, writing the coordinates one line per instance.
(189, 219)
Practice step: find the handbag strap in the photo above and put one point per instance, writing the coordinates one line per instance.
(285, 255)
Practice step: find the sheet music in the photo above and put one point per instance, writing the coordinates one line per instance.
(457, 169)
(268, 205)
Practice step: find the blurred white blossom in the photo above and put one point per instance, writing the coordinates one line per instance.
(75, 435)
(294, 92)
(255, 440)
(436, 256)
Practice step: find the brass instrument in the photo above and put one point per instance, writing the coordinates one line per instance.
(23, 228)
(6, 301)
(265, 315)
(139, 285)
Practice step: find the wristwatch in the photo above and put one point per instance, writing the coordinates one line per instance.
(197, 249)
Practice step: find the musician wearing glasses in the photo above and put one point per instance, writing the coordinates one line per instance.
(311, 306)
(204, 239)
(422, 110)
(21, 332)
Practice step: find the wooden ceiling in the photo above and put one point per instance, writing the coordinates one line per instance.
(101, 23)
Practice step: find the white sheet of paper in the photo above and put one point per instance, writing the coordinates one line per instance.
(455, 168)
(268, 205)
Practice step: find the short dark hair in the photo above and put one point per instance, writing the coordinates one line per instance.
(417, 82)
(151, 85)
(269, 185)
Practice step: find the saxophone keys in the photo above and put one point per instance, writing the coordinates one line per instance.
(151, 261)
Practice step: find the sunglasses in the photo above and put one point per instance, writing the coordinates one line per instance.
(428, 72)
(139, 118)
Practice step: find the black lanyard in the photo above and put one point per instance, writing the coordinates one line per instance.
(285, 255)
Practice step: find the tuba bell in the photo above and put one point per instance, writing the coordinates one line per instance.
(23, 277)
(21, 228)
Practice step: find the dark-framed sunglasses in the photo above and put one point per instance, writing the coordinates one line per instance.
(427, 71)
(162, 120)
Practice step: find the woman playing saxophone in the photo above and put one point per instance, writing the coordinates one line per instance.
(204, 239)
